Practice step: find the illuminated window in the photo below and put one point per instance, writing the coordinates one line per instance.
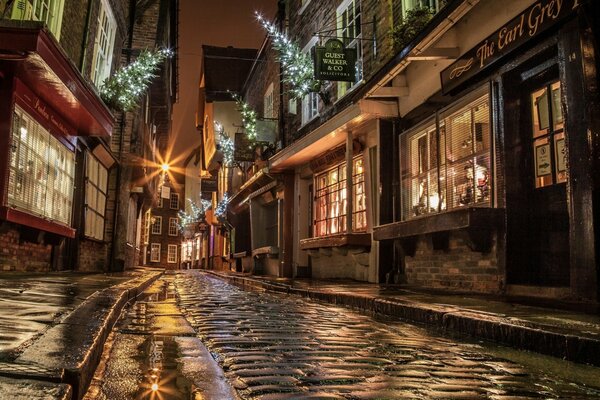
(172, 253)
(408, 5)
(96, 185)
(103, 44)
(47, 11)
(186, 251)
(549, 147)
(173, 227)
(330, 200)
(349, 30)
(41, 171)
(174, 201)
(157, 226)
(155, 252)
(447, 165)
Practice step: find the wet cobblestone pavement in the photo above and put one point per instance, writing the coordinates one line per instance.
(283, 347)
(275, 346)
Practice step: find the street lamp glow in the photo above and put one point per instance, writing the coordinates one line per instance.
(154, 387)
(165, 167)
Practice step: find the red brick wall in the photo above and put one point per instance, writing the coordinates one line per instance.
(93, 256)
(458, 268)
(25, 256)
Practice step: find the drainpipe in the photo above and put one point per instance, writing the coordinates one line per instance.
(121, 142)
(281, 17)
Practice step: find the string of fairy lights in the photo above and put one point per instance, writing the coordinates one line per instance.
(248, 116)
(124, 88)
(197, 213)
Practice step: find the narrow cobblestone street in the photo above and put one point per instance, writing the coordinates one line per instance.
(282, 347)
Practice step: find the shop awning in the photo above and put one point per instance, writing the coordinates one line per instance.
(331, 134)
(41, 64)
(257, 181)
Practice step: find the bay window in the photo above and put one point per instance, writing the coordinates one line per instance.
(330, 200)
(446, 164)
(41, 171)
(96, 188)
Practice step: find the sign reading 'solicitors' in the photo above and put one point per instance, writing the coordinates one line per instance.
(536, 19)
(334, 62)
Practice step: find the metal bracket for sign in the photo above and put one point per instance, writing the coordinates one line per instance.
(320, 33)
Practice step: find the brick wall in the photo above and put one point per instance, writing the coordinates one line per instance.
(19, 255)
(166, 212)
(72, 33)
(457, 268)
(93, 256)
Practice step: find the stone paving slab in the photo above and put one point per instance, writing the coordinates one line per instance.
(559, 339)
(25, 389)
(74, 345)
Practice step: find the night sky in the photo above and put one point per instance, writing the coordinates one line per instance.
(212, 22)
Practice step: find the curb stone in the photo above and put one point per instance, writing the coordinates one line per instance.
(513, 332)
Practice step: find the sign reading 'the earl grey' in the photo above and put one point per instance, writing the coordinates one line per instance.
(334, 62)
(536, 19)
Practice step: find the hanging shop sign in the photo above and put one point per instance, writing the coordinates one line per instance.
(208, 185)
(244, 148)
(532, 22)
(334, 62)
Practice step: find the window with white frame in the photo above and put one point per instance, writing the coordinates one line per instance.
(174, 201)
(172, 253)
(103, 44)
(330, 200)
(268, 103)
(446, 165)
(155, 252)
(310, 102)
(47, 11)
(41, 171)
(350, 33)
(407, 5)
(157, 225)
(96, 188)
(173, 227)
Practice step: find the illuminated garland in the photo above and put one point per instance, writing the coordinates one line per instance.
(197, 214)
(123, 90)
(226, 145)
(298, 70)
(221, 209)
(248, 116)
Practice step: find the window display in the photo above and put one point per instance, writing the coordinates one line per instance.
(41, 171)
(446, 165)
(330, 200)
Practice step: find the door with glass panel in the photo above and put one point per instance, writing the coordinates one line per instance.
(538, 218)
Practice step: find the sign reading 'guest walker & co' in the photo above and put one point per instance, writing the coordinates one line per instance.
(334, 62)
(530, 23)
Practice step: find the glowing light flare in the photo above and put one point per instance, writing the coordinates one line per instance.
(165, 167)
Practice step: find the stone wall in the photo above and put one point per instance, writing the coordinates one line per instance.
(340, 263)
(17, 254)
(457, 268)
(93, 256)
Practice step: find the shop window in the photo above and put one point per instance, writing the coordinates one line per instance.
(350, 33)
(48, 11)
(446, 165)
(41, 171)
(330, 200)
(96, 187)
(157, 225)
(103, 44)
(310, 102)
(268, 104)
(174, 201)
(172, 253)
(408, 5)
(155, 252)
(548, 131)
(173, 227)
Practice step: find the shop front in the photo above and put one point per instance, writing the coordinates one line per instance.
(497, 182)
(44, 106)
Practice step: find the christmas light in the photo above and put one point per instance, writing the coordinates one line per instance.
(221, 209)
(197, 213)
(298, 70)
(248, 116)
(123, 90)
(226, 145)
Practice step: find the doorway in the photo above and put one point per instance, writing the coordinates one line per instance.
(536, 177)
